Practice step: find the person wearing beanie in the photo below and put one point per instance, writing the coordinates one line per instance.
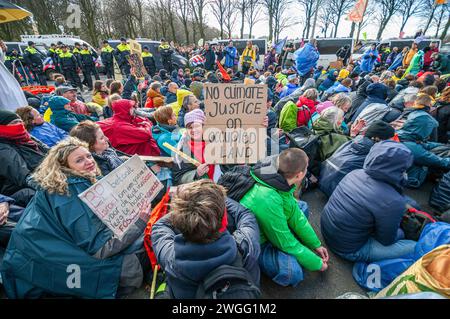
(20, 154)
(355, 223)
(63, 115)
(351, 155)
(192, 143)
(291, 86)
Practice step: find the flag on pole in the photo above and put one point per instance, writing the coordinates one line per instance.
(439, 2)
(357, 13)
(402, 34)
(280, 45)
(364, 34)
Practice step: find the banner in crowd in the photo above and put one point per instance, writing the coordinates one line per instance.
(119, 198)
(135, 59)
(357, 13)
(234, 130)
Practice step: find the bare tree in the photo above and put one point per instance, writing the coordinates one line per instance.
(281, 20)
(447, 25)
(184, 12)
(198, 9)
(325, 18)
(338, 8)
(386, 10)
(241, 5)
(218, 8)
(230, 16)
(309, 9)
(409, 9)
(253, 14)
(442, 14)
(428, 12)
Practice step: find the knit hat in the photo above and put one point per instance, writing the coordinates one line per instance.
(57, 103)
(195, 116)
(380, 129)
(7, 117)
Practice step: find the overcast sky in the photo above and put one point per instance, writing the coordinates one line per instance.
(392, 29)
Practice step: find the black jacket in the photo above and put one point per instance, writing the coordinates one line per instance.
(442, 115)
(210, 57)
(18, 162)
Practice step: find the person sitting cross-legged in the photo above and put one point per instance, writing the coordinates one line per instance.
(361, 221)
(288, 242)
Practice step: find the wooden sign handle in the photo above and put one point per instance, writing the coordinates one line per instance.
(181, 154)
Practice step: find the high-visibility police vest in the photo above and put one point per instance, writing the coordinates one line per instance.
(31, 50)
(65, 55)
(146, 55)
(123, 47)
(108, 49)
(85, 52)
(164, 47)
(76, 51)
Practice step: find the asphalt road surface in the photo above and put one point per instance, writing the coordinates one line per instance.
(337, 280)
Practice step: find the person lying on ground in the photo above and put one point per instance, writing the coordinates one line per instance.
(47, 133)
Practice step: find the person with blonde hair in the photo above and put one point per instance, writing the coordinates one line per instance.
(58, 235)
(328, 127)
(106, 157)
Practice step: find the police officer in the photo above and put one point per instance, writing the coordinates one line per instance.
(69, 66)
(87, 58)
(149, 61)
(54, 56)
(107, 56)
(166, 55)
(33, 60)
(122, 52)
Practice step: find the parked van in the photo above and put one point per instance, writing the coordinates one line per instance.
(327, 48)
(399, 43)
(48, 39)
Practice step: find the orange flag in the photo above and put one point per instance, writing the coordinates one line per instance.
(225, 75)
(357, 13)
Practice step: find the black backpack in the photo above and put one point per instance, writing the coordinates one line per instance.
(228, 282)
(413, 223)
(304, 138)
(237, 182)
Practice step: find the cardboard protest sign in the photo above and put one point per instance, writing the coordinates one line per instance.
(119, 198)
(135, 59)
(234, 130)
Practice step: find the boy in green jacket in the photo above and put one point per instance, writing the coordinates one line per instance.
(288, 242)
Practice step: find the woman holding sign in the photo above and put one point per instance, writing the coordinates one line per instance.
(193, 144)
(60, 247)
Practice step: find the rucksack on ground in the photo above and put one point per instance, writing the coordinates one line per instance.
(228, 282)
(288, 117)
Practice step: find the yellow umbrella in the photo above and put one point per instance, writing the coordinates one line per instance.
(11, 12)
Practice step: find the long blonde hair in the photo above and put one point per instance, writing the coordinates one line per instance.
(52, 173)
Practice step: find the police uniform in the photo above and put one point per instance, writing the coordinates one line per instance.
(166, 56)
(122, 52)
(149, 63)
(69, 65)
(88, 66)
(107, 56)
(33, 60)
